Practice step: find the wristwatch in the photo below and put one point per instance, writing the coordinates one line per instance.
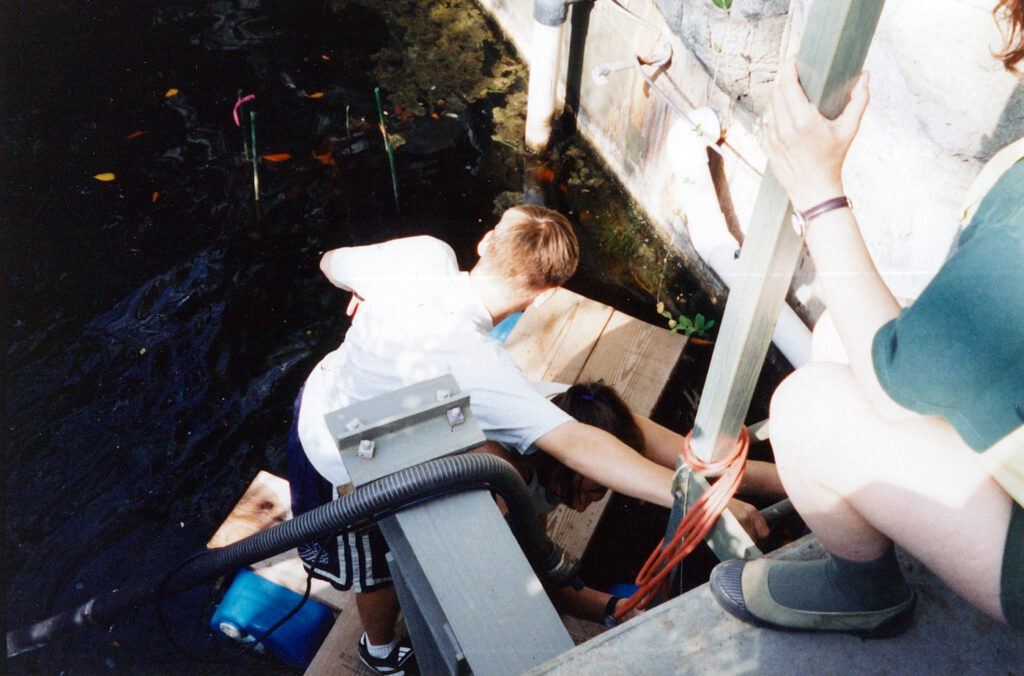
(609, 612)
(802, 218)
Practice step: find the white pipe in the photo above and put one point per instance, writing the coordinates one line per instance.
(541, 101)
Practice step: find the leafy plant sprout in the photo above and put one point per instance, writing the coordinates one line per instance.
(698, 326)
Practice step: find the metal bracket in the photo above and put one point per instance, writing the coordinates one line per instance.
(463, 616)
(411, 425)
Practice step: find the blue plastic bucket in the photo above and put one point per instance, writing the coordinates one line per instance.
(623, 589)
(253, 604)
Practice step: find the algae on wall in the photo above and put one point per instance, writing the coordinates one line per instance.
(447, 59)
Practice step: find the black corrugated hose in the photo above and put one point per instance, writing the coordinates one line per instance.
(471, 471)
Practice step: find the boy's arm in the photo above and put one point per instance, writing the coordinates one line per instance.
(662, 445)
(586, 604)
(326, 267)
(600, 456)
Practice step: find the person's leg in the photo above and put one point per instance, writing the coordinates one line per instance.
(860, 482)
(378, 611)
(380, 648)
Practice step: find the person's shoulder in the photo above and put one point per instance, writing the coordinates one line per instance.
(422, 251)
(422, 243)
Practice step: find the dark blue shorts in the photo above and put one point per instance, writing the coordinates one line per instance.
(348, 560)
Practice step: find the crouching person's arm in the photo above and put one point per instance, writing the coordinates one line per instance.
(589, 604)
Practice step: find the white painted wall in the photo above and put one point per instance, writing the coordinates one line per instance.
(941, 106)
(938, 111)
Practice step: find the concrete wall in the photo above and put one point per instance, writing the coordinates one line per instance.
(941, 106)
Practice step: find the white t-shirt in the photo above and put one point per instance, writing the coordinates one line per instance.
(419, 319)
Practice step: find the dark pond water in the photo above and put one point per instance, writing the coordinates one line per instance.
(159, 324)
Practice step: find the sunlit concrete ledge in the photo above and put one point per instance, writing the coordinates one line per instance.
(692, 634)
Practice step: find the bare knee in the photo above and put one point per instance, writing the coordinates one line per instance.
(811, 407)
(802, 396)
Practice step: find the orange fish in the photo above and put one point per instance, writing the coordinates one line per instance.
(170, 92)
(315, 95)
(277, 157)
(324, 157)
(106, 176)
(135, 134)
(545, 175)
(156, 195)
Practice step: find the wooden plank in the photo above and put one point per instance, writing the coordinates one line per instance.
(553, 342)
(266, 502)
(338, 653)
(637, 359)
(835, 42)
(572, 530)
(582, 631)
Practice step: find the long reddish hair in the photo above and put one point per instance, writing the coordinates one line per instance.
(1013, 12)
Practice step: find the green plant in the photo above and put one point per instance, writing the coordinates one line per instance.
(698, 326)
(722, 4)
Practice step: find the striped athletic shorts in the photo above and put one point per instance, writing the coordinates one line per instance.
(348, 560)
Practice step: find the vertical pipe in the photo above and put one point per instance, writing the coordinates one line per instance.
(545, 65)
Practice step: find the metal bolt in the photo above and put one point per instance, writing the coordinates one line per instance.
(456, 416)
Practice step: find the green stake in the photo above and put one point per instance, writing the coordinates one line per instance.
(348, 129)
(387, 146)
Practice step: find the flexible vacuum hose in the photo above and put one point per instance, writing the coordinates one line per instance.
(368, 503)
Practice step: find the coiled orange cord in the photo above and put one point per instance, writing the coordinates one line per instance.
(698, 522)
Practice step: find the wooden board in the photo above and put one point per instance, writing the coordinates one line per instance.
(553, 342)
(337, 654)
(266, 502)
(636, 358)
(572, 339)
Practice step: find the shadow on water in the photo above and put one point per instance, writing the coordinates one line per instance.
(159, 325)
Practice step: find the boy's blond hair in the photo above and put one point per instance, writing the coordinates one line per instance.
(533, 246)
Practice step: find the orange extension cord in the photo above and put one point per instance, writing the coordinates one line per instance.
(698, 522)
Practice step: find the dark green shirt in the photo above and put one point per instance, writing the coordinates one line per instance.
(958, 351)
